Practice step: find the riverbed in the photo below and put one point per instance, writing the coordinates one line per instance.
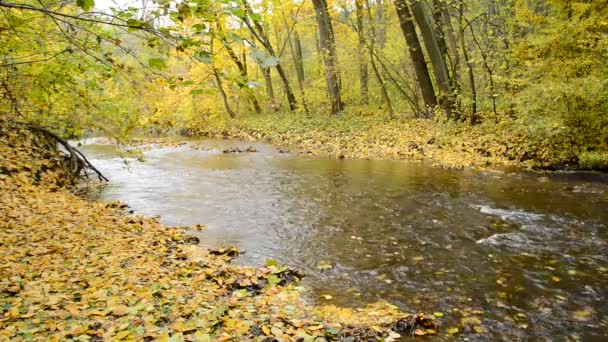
(523, 255)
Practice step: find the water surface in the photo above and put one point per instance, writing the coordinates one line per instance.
(527, 253)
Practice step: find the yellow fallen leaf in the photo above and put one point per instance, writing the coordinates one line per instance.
(120, 310)
(468, 321)
(479, 329)
(420, 332)
(453, 331)
(276, 332)
(266, 330)
(121, 335)
(583, 314)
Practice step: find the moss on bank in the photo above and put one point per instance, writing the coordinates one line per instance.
(79, 270)
(447, 144)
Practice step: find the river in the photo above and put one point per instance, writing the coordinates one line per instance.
(524, 255)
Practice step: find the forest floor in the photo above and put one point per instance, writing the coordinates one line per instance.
(449, 145)
(74, 269)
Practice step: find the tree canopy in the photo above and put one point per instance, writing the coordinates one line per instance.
(527, 68)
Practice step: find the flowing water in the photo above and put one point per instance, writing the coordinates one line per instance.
(525, 253)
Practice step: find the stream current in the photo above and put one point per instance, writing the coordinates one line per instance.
(525, 253)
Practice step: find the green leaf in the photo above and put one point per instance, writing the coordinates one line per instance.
(237, 12)
(220, 311)
(271, 262)
(258, 55)
(204, 56)
(198, 27)
(270, 62)
(85, 4)
(273, 279)
(197, 91)
(156, 63)
(255, 16)
(234, 37)
(135, 24)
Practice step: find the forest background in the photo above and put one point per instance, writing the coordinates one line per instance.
(479, 82)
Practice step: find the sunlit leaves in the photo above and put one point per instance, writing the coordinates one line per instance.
(85, 4)
(157, 63)
(183, 11)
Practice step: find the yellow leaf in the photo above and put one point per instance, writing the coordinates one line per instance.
(479, 329)
(120, 310)
(453, 331)
(583, 314)
(468, 321)
(276, 332)
(420, 332)
(121, 335)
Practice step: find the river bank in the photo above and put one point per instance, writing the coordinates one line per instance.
(78, 269)
(451, 145)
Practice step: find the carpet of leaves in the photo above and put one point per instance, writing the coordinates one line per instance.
(448, 145)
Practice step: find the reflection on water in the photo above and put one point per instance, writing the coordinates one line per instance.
(528, 251)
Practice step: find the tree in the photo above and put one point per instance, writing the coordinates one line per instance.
(256, 29)
(363, 75)
(242, 67)
(431, 42)
(328, 51)
(416, 55)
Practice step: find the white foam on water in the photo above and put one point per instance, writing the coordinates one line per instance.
(514, 240)
(508, 215)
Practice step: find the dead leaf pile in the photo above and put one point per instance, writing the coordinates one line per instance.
(354, 136)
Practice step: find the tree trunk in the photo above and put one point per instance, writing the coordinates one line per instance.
(243, 81)
(218, 80)
(269, 88)
(431, 42)
(371, 49)
(363, 74)
(267, 79)
(328, 51)
(260, 34)
(416, 54)
(296, 53)
(381, 23)
(470, 66)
